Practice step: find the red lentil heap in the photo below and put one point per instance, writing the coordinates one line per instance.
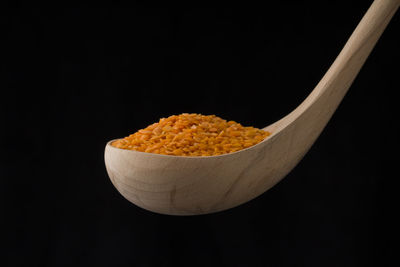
(192, 135)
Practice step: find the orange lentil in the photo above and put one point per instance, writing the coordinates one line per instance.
(192, 135)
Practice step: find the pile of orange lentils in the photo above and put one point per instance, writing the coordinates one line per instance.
(192, 135)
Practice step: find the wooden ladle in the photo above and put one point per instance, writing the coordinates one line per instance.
(197, 185)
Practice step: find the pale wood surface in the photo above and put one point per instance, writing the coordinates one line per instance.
(197, 185)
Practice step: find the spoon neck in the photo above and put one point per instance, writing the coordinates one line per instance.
(329, 92)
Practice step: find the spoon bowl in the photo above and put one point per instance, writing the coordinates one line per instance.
(179, 185)
(195, 185)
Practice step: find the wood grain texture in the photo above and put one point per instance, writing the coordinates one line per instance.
(198, 185)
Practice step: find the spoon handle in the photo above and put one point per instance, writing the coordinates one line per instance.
(329, 92)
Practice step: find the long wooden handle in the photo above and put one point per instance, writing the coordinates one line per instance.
(329, 92)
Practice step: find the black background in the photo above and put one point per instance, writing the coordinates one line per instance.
(72, 79)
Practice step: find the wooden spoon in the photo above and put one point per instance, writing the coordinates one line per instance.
(197, 185)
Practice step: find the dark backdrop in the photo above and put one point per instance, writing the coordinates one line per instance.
(72, 79)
